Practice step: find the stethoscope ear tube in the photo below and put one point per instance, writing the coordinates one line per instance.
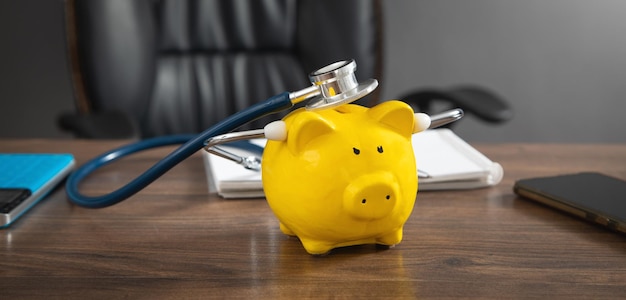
(191, 144)
(276, 131)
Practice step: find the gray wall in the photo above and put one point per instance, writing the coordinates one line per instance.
(562, 64)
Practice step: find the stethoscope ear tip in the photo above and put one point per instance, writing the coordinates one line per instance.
(276, 131)
(422, 122)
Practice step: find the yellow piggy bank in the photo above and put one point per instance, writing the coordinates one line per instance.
(343, 176)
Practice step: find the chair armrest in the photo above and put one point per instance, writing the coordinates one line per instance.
(482, 103)
(104, 125)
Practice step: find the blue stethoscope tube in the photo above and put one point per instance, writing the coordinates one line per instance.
(191, 144)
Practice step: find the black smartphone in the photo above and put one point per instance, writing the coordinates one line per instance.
(592, 196)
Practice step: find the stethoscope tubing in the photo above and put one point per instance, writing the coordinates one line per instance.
(190, 145)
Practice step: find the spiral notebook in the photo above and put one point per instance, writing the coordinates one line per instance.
(444, 162)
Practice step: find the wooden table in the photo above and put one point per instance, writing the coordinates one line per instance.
(173, 240)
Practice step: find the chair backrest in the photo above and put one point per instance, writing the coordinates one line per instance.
(181, 66)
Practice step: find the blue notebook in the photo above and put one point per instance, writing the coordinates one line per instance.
(26, 178)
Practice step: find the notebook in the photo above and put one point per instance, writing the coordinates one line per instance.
(26, 178)
(451, 163)
(444, 162)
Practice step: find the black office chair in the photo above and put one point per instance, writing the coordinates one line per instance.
(145, 68)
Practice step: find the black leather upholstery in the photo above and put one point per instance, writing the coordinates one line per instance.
(180, 66)
(174, 66)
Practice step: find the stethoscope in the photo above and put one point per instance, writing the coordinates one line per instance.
(333, 85)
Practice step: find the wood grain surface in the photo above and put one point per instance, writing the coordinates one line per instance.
(175, 241)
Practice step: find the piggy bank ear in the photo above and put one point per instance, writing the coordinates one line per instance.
(395, 114)
(305, 128)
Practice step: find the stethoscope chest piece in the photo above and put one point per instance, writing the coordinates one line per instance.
(338, 85)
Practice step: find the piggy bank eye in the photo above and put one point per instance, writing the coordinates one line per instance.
(380, 149)
(356, 151)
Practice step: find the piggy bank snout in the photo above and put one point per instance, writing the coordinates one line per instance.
(371, 196)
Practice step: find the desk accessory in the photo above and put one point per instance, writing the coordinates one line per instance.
(26, 178)
(342, 177)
